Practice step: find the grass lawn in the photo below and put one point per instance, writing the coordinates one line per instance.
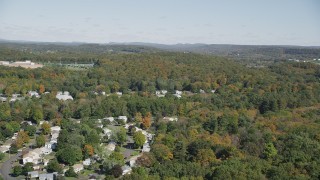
(6, 157)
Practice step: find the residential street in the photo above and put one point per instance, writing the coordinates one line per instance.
(6, 167)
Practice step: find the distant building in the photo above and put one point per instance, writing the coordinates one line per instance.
(33, 93)
(124, 118)
(170, 118)
(161, 93)
(64, 96)
(111, 119)
(24, 64)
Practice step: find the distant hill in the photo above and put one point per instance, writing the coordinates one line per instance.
(252, 55)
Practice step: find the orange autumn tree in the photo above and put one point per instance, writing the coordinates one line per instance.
(22, 138)
(41, 89)
(146, 122)
(88, 150)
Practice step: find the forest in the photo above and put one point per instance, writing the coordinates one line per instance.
(258, 123)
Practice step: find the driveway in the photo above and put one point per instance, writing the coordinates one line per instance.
(5, 169)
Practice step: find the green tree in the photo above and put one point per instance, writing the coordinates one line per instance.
(37, 115)
(269, 151)
(27, 168)
(40, 140)
(162, 152)
(17, 170)
(70, 172)
(54, 166)
(31, 130)
(121, 136)
(139, 139)
(70, 154)
(45, 128)
(116, 171)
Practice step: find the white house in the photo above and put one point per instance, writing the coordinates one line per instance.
(126, 169)
(87, 162)
(33, 93)
(46, 150)
(111, 146)
(32, 156)
(77, 168)
(133, 159)
(45, 162)
(107, 132)
(64, 96)
(178, 92)
(119, 93)
(124, 118)
(4, 148)
(111, 119)
(202, 91)
(170, 118)
(51, 145)
(55, 128)
(146, 147)
(33, 174)
(161, 93)
(49, 176)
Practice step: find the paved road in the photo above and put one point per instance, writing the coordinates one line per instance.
(6, 167)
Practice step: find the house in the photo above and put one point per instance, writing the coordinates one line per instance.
(45, 162)
(32, 156)
(178, 92)
(111, 119)
(51, 145)
(55, 128)
(3, 99)
(107, 132)
(64, 96)
(111, 146)
(124, 118)
(14, 136)
(170, 118)
(77, 168)
(146, 147)
(202, 91)
(49, 176)
(33, 174)
(133, 159)
(100, 125)
(119, 93)
(126, 169)
(33, 93)
(46, 150)
(213, 91)
(87, 162)
(4, 148)
(161, 93)
(36, 167)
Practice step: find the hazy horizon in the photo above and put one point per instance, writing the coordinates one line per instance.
(248, 22)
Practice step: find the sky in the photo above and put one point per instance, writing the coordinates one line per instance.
(249, 22)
